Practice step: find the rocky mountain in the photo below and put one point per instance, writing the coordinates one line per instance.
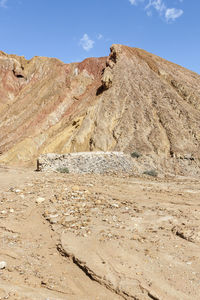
(129, 101)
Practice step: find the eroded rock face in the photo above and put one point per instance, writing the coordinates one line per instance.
(132, 100)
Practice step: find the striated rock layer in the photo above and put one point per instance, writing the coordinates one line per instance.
(130, 101)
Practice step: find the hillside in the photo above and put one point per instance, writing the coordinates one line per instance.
(130, 101)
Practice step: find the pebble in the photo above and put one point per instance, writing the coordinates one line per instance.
(98, 202)
(17, 191)
(69, 218)
(114, 205)
(39, 200)
(3, 265)
(53, 220)
(53, 216)
(75, 188)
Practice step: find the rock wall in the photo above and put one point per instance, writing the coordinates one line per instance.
(87, 162)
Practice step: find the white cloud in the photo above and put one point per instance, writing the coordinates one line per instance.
(3, 3)
(133, 2)
(169, 14)
(172, 14)
(158, 5)
(86, 43)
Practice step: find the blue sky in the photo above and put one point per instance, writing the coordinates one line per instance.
(72, 30)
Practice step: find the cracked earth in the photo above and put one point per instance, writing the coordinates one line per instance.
(65, 236)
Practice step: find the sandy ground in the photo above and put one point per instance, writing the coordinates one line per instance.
(66, 236)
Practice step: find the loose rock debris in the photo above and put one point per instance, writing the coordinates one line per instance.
(86, 162)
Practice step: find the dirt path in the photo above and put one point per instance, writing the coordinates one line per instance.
(98, 237)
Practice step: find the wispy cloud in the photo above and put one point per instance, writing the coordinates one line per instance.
(86, 43)
(169, 14)
(135, 2)
(3, 3)
(158, 5)
(172, 14)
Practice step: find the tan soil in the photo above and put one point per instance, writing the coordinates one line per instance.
(67, 236)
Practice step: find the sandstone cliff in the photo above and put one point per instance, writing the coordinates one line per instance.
(130, 101)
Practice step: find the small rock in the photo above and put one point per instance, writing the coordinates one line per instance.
(75, 188)
(98, 202)
(17, 191)
(69, 218)
(53, 216)
(114, 205)
(39, 200)
(53, 220)
(3, 265)
(136, 237)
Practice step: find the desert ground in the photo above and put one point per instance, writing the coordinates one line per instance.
(66, 236)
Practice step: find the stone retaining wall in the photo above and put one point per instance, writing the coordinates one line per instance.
(86, 162)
